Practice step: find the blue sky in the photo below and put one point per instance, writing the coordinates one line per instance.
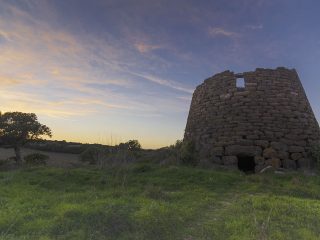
(112, 70)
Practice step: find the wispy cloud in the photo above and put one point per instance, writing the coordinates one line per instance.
(255, 27)
(7, 81)
(145, 48)
(216, 31)
(164, 82)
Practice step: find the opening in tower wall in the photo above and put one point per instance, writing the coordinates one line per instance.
(240, 83)
(246, 164)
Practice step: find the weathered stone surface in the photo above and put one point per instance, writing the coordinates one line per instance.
(258, 160)
(289, 164)
(243, 150)
(283, 155)
(262, 143)
(296, 149)
(272, 111)
(276, 163)
(229, 160)
(216, 160)
(259, 167)
(296, 156)
(279, 146)
(269, 153)
(304, 163)
(217, 151)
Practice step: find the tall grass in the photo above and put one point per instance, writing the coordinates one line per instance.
(154, 202)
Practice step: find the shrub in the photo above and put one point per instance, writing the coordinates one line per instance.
(187, 153)
(131, 145)
(121, 157)
(182, 152)
(94, 155)
(315, 154)
(172, 154)
(105, 157)
(36, 159)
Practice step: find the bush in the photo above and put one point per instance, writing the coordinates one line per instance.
(105, 157)
(131, 145)
(187, 153)
(182, 152)
(35, 159)
(121, 157)
(315, 154)
(94, 155)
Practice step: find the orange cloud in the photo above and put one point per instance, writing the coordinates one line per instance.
(145, 48)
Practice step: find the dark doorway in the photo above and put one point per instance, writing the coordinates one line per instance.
(246, 164)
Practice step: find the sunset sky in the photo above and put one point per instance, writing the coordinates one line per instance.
(107, 71)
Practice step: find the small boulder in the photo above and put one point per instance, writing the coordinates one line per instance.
(270, 153)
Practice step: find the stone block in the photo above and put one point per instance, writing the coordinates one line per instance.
(279, 146)
(235, 150)
(283, 155)
(216, 160)
(262, 143)
(304, 163)
(259, 160)
(229, 160)
(270, 153)
(300, 143)
(296, 149)
(253, 137)
(217, 151)
(289, 164)
(259, 167)
(244, 142)
(276, 163)
(296, 156)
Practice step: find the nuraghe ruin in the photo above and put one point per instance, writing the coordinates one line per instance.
(267, 121)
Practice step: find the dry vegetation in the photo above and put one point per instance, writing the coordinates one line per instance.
(65, 160)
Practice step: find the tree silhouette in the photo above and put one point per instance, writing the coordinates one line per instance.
(131, 145)
(17, 128)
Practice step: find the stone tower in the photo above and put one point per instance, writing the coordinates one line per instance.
(266, 121)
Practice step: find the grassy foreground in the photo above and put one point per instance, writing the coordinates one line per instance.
(151, 202)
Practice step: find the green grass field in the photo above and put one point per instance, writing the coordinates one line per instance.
(145, 201)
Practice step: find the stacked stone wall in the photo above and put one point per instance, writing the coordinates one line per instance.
(269, 119)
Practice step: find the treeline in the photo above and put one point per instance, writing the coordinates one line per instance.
(78, 148)
(62, 146)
